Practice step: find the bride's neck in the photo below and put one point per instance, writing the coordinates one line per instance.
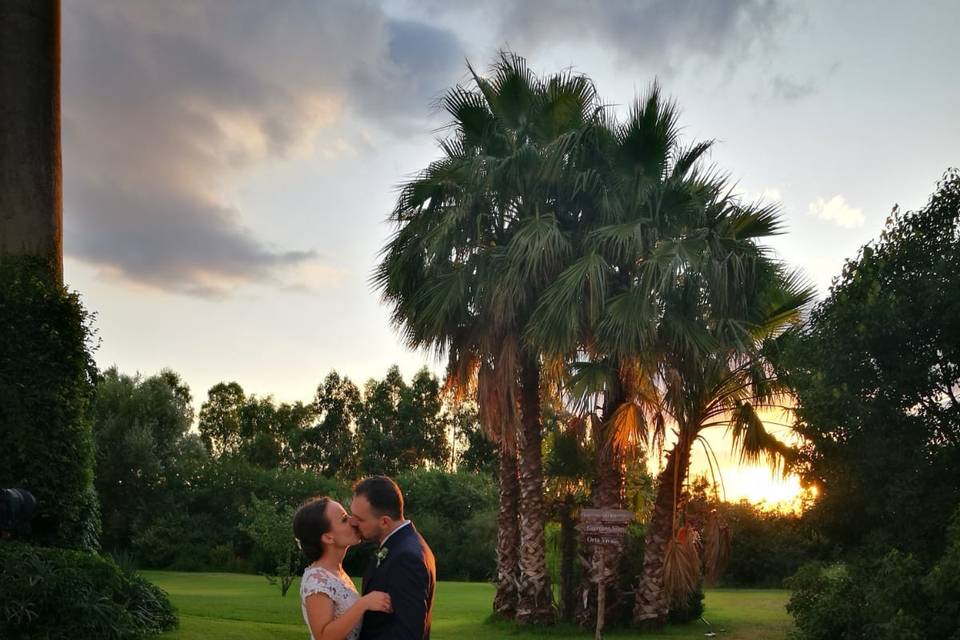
(332, 558)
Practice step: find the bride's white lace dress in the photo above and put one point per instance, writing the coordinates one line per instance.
(338, 588)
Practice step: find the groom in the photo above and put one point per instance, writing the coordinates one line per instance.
(403, 565)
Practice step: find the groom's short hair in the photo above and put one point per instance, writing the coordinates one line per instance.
(383, 494)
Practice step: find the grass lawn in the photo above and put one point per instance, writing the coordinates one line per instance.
(242, 607)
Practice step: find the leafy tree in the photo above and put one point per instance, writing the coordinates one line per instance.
(330, 445)
(567, 465)
(254, 428)
(877, 376)
(137, 426)
(271, 526)
(454, 511)
(475, 452)
(220, 423)
(402, 426)
(481, 232)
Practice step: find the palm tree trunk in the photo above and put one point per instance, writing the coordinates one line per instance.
(568, 558)
(31, 197)
(651, 606)
(508, 535)
(535, 601)
(607, 492)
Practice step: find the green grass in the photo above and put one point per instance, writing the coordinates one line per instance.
(243, 607)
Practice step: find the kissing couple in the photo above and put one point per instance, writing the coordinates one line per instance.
(399, 582)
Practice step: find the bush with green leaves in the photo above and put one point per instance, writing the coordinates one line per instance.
(456, 513)
(46, 384)
(195, 525)
(889, 596)
(66, 594)
(767, 546)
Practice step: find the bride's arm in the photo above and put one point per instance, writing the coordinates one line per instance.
(324, 626)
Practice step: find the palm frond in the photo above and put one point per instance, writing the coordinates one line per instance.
(681, 566)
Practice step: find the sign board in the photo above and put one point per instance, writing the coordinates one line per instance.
(622, 517)
(603, 528)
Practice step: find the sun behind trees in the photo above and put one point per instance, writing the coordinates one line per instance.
(556, 249)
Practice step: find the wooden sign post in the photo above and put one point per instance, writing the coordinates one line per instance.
(604, 528)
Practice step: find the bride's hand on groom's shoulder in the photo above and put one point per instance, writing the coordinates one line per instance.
(377, 601)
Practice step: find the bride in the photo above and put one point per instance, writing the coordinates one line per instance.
(332, 608)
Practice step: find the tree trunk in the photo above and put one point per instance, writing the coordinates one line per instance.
(508, 535)
(651, 606)
(31, 192)
(607, 492)
(535, 601)
(568, 558)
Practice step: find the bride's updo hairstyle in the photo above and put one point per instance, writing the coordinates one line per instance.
(309, 524)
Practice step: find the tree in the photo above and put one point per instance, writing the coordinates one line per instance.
(253, 428)
(714, 370)
(481, 232)
(271, 528)
(877, 377)
(330, 446)
(220, 419)
(137, 426)
(475, 452)
(402, 427)
(568, 465)
(653, 220)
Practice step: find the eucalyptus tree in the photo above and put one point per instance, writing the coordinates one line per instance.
(481, 232)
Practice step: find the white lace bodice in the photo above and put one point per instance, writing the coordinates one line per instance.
(339, 589)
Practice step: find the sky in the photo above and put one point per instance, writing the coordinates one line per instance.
(229, 165)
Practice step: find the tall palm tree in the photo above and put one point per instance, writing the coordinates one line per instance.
(481, 233)
(658, 225)
(716, 322)
(640, 178)
(31, 197)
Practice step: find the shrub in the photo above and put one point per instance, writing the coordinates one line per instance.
(888, 597)
(46, 382)
(202, 508)
(767, 547)
(456, 514)
(58, 593)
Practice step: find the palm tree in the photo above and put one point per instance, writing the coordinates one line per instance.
(719, 302)
(640, 178)
(31, 197)
(658, 225)
(481, 233)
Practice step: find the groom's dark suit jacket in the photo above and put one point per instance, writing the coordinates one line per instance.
(409, 574)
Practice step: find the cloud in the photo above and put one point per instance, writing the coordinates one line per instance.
(837, 211)
(790, 90)
(167, 105)
(664, 34)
